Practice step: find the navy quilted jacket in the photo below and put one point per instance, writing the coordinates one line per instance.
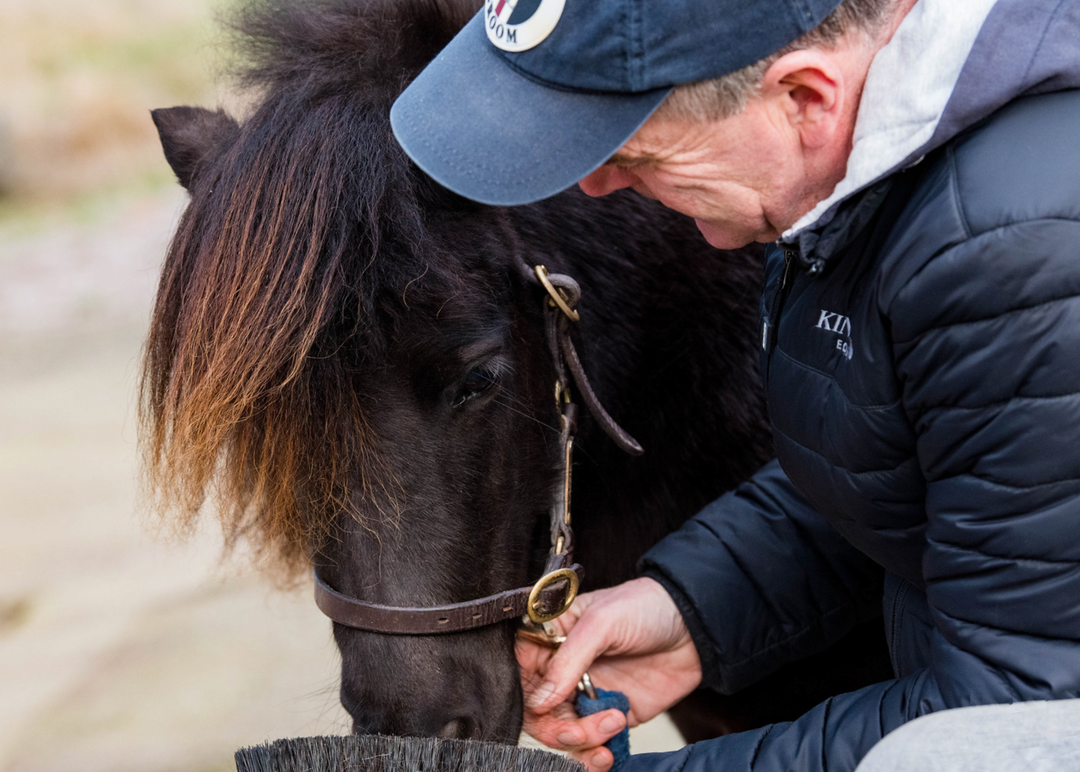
(921, 353)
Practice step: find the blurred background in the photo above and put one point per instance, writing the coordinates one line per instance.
(120, 648)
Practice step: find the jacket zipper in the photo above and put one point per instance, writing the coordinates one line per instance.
(773, 322)
(894, 637)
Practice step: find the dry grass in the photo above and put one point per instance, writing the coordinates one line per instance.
(77, 81)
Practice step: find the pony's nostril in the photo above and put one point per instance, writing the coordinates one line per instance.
(459, 729)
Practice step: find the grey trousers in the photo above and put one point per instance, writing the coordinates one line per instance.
(1023, 737)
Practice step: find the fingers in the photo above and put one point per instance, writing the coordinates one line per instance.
(533, 659)
(561, 673)
(561, 729)
(595, 759)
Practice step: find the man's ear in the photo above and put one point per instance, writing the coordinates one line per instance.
(189, 134)
(811, 85)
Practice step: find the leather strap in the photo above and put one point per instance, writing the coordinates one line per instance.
(433, 620)
(559, 333)
(554, 592)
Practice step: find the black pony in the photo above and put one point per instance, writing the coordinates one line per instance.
(348, 360)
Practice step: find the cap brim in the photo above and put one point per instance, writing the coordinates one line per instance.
(491, 134)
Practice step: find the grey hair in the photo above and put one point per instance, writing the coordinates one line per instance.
(728, 95)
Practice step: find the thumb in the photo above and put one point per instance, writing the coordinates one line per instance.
(584, 643)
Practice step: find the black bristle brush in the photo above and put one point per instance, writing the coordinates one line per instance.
(378, 753)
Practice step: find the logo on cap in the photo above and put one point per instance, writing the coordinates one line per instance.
(518, 25)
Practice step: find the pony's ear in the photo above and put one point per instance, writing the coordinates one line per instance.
(189, 134)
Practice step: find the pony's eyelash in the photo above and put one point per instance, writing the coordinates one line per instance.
(500, 367)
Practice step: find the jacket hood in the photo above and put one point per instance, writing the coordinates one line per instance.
(950, 65)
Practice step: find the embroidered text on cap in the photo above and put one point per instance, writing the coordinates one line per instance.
(518, 25)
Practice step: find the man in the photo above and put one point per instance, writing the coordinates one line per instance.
(919, 164)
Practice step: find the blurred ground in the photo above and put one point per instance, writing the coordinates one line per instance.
(77, 78)
(119, 650)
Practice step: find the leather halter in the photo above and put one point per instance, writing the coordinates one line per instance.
(555, 591)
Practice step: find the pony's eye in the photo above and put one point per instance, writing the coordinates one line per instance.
(478, 380)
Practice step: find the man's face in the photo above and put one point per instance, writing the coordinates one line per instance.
(742, 178)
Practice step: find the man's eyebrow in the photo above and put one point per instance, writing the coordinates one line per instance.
(626, 161)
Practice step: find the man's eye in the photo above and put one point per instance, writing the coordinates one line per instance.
(477, 381)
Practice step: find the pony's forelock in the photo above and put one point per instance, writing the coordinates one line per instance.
(271, 271)
(384, 43)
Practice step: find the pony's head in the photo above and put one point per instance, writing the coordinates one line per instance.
(348, 364)
(340, 361)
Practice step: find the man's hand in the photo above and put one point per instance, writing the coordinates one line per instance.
(631, 638)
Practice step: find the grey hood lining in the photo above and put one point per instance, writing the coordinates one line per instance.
(1023, 47)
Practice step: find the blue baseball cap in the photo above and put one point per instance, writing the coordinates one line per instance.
(533, 95)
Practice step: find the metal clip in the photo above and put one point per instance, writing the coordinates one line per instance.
(586, 685)
(543, 634)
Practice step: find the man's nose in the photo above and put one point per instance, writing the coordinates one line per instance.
(607, 179)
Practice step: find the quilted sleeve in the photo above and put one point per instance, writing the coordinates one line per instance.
(987, 342)
(762, 579)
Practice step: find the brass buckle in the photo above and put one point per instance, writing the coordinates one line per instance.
(546, 581)
(556, 296)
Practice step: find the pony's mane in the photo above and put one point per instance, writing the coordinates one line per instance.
(374, 46)
(272, 270)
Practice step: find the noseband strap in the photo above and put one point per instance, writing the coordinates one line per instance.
(556, 589)
(551, 601)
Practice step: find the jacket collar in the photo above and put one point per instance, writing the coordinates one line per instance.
(948, 66)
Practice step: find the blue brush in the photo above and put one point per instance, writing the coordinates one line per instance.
(586, 704)
(589, 699)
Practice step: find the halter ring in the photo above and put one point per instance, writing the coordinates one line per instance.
(533, 608)
(556, 297)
